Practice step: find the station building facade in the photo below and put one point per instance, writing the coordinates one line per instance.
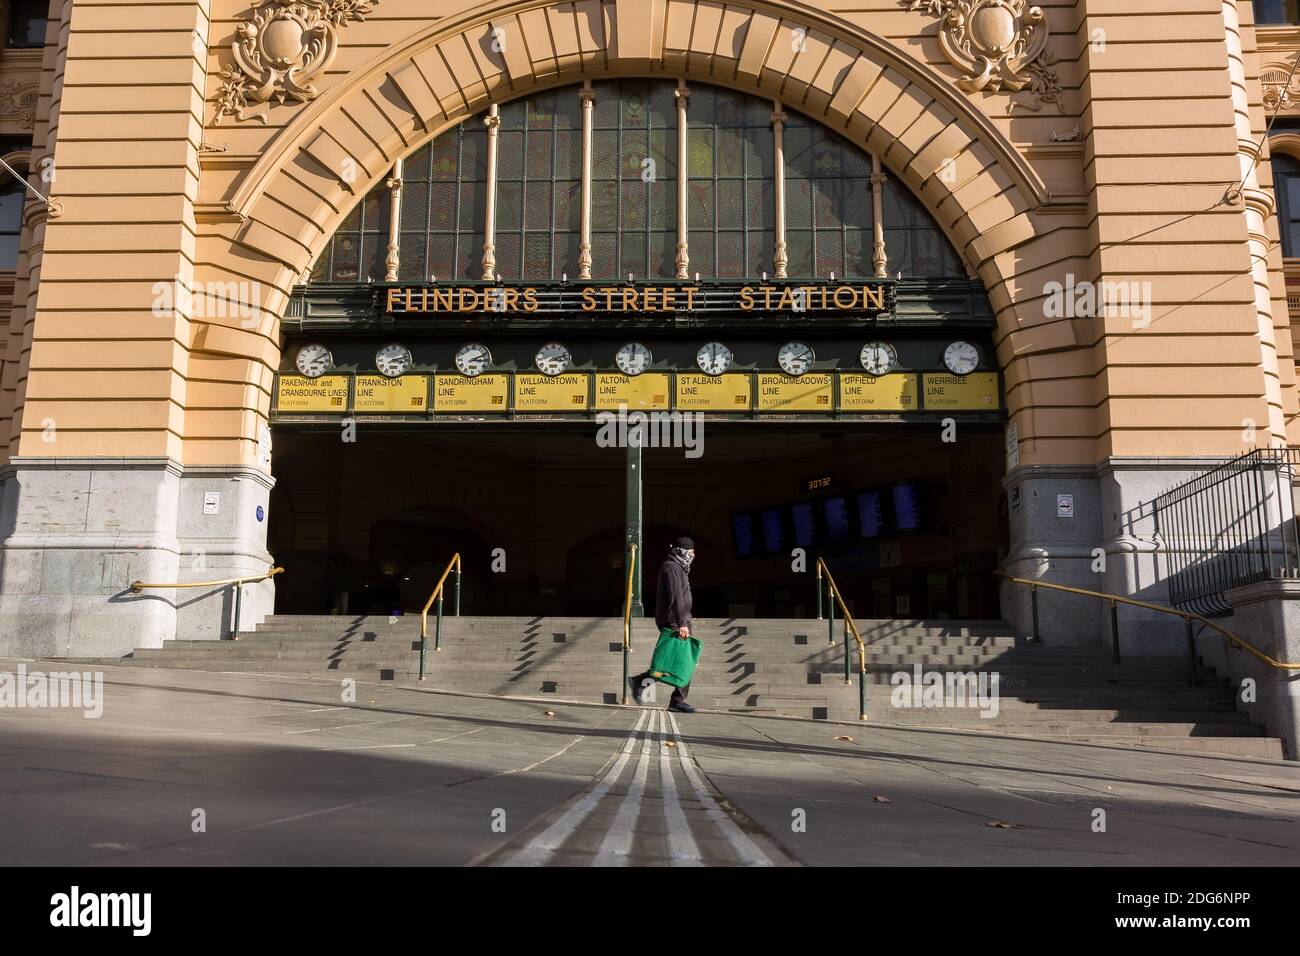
(953, 289)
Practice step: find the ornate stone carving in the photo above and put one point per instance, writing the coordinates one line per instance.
(1281, 87)
(18, 102)
(279, 50)
(998, 44)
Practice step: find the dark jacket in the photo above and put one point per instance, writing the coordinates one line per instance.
(673, 596)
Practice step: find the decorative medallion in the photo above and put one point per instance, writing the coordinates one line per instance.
(1280, 82)
(279, 50)
(18, 102)
(997, 44)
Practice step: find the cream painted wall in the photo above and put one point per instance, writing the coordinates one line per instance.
(152, 189)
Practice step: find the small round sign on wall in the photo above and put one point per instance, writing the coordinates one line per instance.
(261, 514)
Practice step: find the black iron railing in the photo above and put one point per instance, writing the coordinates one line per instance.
(1230, 526)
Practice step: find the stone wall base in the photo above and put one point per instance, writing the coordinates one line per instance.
(74, 534)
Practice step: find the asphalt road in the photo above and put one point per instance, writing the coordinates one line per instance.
(196, 769)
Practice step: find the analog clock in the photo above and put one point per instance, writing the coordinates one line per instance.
(961, 358)
(394, 359)
(633, 358)
(472, 359)
(796, 358)
(714, 358)
(879, 358)
(314, 360)
(553, 358)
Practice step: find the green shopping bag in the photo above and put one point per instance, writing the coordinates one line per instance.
(675, 658)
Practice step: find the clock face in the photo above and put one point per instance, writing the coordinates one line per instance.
(471, 359)
(879, 358)
(553, 358)
(633, 358)
(962, 358)
(314, 360)
(714, 358)
(394, 359)
(795, 358)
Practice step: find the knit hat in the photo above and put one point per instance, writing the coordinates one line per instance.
(685, 543)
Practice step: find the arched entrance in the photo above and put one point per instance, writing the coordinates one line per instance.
(783, 299)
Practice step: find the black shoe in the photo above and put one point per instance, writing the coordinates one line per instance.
(635, 684)
(681, 707)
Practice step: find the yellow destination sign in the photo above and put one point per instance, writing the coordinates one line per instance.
(552, 393)
(460, 394)
(647, 390)
(713, 393)
(787, 393)
(888, 393)
(977, 392)
(297, 393)
(379, 393)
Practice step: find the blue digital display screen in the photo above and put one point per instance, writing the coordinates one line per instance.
(742, 533)
(836, 513)
(805, 524)
(907, 506)
(871, 514)
(773, 530)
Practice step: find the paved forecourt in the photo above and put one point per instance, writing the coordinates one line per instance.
(188, 767)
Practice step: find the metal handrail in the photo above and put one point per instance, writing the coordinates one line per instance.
(850, 627)
(437, 596)
(138, 586)
(237, 583)
(1114, 599)
(627, 617)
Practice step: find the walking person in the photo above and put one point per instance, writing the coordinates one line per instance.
(676, 652)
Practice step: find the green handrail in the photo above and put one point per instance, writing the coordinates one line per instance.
(850, 627)
(437, 596)
(627, 617)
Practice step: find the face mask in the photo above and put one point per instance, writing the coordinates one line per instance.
(683, 557)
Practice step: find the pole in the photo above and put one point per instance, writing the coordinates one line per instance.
(634, 518)
(1033, 599)
(234, 627)
(437, 628)
(1114, 632)
(456, 592)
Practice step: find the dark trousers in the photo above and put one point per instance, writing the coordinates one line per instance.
(679, 693)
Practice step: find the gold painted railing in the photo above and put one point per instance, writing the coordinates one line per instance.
(850, 627)
(437, 596)
(627, 616)
(1116, 599)
(237, 583)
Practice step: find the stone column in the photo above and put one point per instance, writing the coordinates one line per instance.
(780, 258)
(1268, 615)
(683, 255)
(493, 123)
(588, 96)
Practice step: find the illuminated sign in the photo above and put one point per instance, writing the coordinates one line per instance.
(713, 393)
(455, 394)
(552, 393)
(297, 393)
(379, 393)
(647, 390)
(872, 296)
(888, 393)
(977, 392)
(778, 392)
